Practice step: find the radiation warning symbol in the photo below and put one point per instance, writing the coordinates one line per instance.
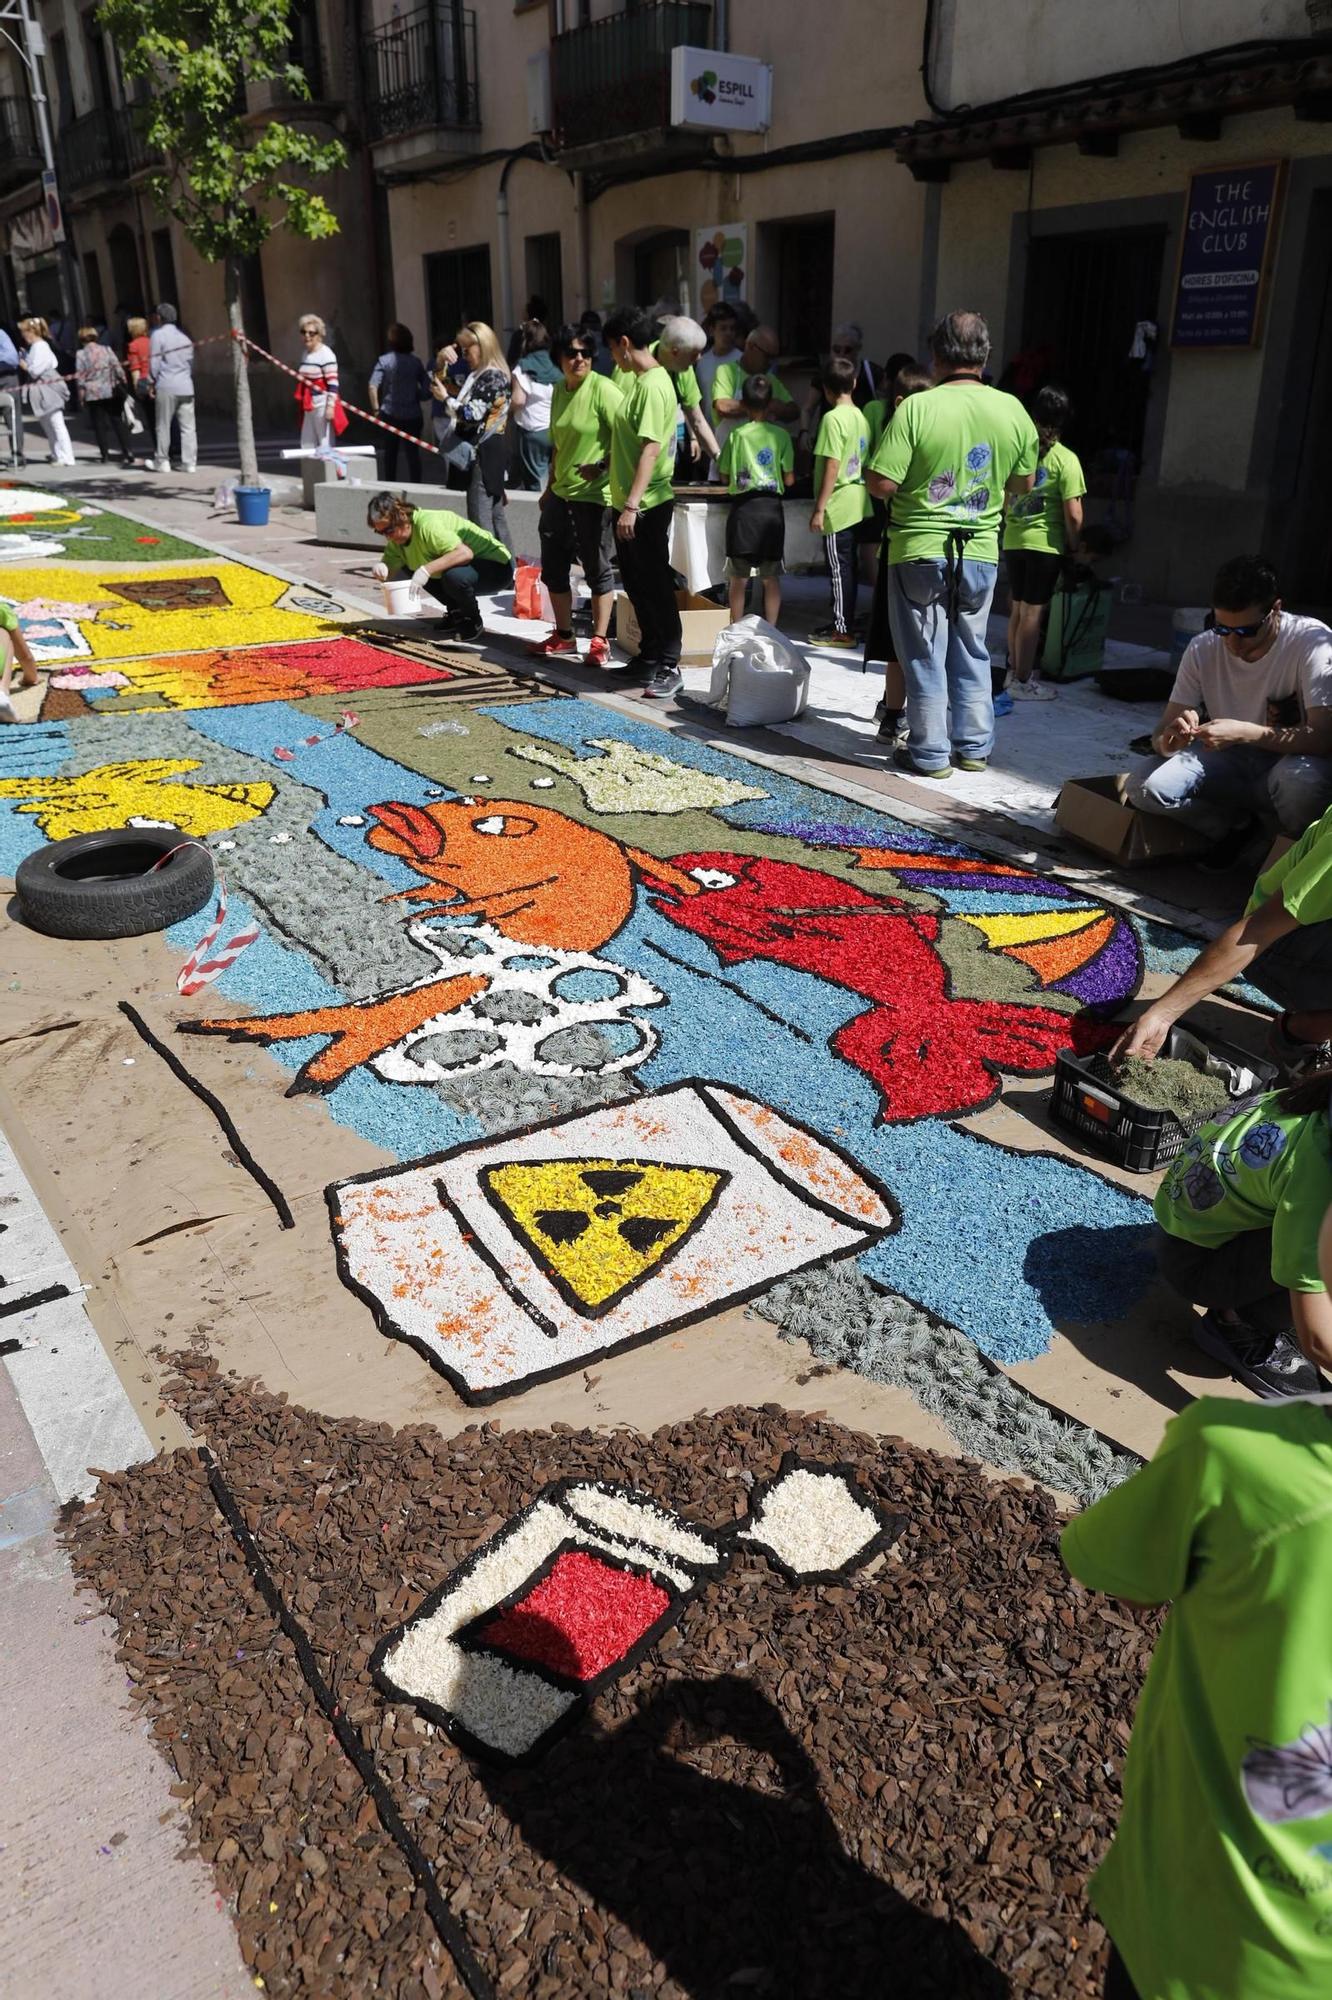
(599, 1227)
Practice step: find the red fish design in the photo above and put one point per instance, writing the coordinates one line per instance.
(928, 1054)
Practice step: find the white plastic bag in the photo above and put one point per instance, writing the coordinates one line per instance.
(757, 676)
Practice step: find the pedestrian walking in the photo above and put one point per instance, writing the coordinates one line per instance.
(47, 393)
(171, 366)
(104, 386)
(399, 385)
(322, 417)
(576, 522)
(643, 498)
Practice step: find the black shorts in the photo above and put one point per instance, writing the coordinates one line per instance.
(756, 528)
(1033, 574)
(874, 526)
(581, 530)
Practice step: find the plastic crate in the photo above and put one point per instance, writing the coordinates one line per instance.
(1139, 1136)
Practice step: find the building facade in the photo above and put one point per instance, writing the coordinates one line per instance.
(1139, 198)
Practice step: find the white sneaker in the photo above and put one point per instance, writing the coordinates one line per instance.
(1032, 690)
(8, 712)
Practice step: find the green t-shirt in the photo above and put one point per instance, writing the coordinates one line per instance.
(876, 416)
(952, 451)
(9, 618)
(1035, 520)
(843, 435)
(729, 381)
(1264, 1169)
(687, 392)
(436, 531)
(581, 422)
(648, 411)
(1303, 874)
(755, 458)
(1218, 1885)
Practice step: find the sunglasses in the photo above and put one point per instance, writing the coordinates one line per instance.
(846, 350)
(578, 354)
(1242, 631)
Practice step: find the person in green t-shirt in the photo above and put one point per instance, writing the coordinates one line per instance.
(1218, 1884)
(757, 357)
(642, 454)
(946, 462)
(758, 465)
(1039, 529)
(575, 514)
(13, 649)
(1282, 945)
(450, 558)
(679, 345)
(840, 500)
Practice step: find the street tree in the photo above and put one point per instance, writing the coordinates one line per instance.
(228, 179)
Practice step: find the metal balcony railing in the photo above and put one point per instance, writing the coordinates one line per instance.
(420, 71)
(104, 145)
(20, 153)
(613, 77)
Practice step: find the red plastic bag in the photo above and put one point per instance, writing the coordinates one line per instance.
(527, 591)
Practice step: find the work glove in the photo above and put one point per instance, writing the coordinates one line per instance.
(380, 572)
(420, 577)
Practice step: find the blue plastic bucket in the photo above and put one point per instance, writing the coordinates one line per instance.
(252, 506)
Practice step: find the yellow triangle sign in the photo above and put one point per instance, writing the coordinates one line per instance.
(597, 1228)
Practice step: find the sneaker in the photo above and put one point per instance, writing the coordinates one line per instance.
(891, 725)
(555, 646)
(469, 631)
(665, 683)
(1272, 1365)
(902, 760)
(636, 669)
(880, 710)
(1296, 1058)
(971, 763)
(1032, 690)
(598, 653)
(828, 635)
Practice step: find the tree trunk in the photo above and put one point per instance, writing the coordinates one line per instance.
(249, 462)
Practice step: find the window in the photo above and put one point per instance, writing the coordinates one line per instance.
(545, 275)
(164, 267)
(801, 254)
(126, 278)
(92, 284)
(303, 47)
(99, 69)
(64, 88)
(457, 289)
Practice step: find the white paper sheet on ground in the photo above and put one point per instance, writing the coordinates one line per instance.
(524, 1256)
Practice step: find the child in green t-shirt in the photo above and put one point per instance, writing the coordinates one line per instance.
(1039, 528)
(1218, 1884)
(757, 462)
(840, 500)
(13, 650)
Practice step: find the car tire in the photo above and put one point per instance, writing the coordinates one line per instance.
(112, 885)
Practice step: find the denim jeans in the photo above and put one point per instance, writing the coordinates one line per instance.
(1213, 790)
(946, 662)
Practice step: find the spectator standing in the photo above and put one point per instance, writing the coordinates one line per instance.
(946, 461)
(317, 386)
(576, 523)
(1222, 754)
(1215, 1886)
(1039, 530)
(47, 394)
(104, 385)
(758, 464)
(399, 385)
(479, 408)
(171, 365)
(535, 381)
(11, 397)
(644, 500)
(840, 500)
(722, 329)
(139, 366)
(758, 357)
(847, 344)
(450, 559)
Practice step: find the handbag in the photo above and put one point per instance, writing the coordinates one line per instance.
(527, 590)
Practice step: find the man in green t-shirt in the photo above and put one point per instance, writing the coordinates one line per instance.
(450, 558)
(758, 357)
(1218, 1885)
(678, 346)
(946, 461)
(643, 499)
(1282, 945)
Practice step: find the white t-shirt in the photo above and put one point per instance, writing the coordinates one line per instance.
(705, 368)
(535, 413)
(1298, 662)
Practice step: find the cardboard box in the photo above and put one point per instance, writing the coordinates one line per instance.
(1094, 811)
(1281, 845)
(702, 621)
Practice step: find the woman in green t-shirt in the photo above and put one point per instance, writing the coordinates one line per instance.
(1238, 1216)
(1039, 528)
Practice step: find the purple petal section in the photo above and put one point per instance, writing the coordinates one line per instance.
(1112, 975)
(1003, 885)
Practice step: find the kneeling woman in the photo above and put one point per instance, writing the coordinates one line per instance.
(1238, 1217)
(448, 556)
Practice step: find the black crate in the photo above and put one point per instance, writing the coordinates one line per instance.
(1139, 1136)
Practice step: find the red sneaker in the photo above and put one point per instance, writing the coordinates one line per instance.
(598, 653)
(556, 646)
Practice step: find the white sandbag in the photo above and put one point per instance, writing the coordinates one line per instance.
(758, 677)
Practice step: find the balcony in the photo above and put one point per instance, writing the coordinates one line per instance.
(104, 148)
(422, 106)
(20, 154)
(611, 82)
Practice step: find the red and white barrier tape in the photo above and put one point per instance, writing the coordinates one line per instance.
(199, 969)
(368, 415)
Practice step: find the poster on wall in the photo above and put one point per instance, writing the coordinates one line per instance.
(1225, 256)
(721, 260)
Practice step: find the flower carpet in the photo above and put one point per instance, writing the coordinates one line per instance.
(35, 525)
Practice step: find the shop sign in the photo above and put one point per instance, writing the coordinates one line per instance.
(715, 92)
(1225, 258)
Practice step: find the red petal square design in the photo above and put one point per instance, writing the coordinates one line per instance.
(581, 1618)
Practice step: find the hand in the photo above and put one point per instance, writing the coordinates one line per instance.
(695, 450)
(1143, 1037)
(1221, 735)
(625, 526)
(450, 355)
(439, 390)
(420, 577)
(1178, 735)
(816, 521)
(380, 572)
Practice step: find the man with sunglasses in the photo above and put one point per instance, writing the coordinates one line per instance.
(1247, 732)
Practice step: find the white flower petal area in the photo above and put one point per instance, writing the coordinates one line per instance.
(27, 500)
(814, 1522)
